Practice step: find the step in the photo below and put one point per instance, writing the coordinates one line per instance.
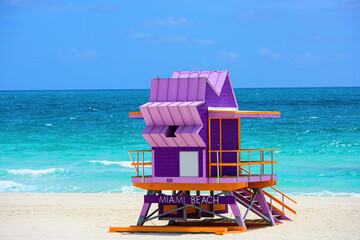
(248, 197)
(218, 230)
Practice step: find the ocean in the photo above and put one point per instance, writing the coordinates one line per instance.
(77, 141)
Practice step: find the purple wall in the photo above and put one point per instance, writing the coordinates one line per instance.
(180, 213)
(203, 112)
(226, 98)
(174, 90)
(167, 161)
(229, 134)
(204, 132)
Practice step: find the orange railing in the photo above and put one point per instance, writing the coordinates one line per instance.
(219, 152)
(273, 198)
(137, 164)
(284, 195)
(240, 163)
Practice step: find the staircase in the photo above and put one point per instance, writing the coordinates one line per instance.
(254, 200)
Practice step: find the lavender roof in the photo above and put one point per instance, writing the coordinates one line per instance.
(215, 78)
(176, 102)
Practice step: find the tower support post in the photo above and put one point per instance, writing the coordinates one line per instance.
(260, 197)
(145, 209)
(235, 209)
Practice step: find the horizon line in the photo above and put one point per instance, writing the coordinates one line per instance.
(119, 89)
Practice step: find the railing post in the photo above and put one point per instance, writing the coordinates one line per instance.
(237, 169)
(272, 166)
(261, 165)
(271, 204)
(143, 177)
(136, 167)
(249, 167)
(283, 202)
(218, 169)
(137, 161)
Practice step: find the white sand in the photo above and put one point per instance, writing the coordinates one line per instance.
(88, 216)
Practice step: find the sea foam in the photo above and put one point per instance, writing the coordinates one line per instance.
(35, 172)
(11, 186)
(128, 189)
(326, 193)
(126, 164)
(104, 162)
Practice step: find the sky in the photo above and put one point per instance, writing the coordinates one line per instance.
(90, 44)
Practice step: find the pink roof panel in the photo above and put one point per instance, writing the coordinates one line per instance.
(215, 78)
(177, 89)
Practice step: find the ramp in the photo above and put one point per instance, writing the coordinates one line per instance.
(218, 230)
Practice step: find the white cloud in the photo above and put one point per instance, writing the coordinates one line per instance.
(307, 60)
(266, 52)
(106, 8)
(173, 39)
(255, 16)
(171, 21)
(204, 41)
(226, 56)
(315, 37)
(233, 55)
(139, 35)
(80, 55)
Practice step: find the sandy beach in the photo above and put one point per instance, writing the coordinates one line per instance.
(88, 216)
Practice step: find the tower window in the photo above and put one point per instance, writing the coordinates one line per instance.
(170, 131)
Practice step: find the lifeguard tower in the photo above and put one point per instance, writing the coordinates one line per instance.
(199, 170)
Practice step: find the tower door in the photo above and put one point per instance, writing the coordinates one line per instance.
(189, 164)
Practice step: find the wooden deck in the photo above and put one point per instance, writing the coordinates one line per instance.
(203, 186)
(218, 230)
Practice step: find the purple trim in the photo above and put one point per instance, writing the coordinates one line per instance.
(136, 116)
(201, 179)
(153, 162)
(193, 199)
(172, 179)
(244, 115)
(243, 179)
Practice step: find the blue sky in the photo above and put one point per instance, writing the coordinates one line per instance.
(123, 44)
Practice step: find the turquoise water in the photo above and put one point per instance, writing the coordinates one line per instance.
(77, 141)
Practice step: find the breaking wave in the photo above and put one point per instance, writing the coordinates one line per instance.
(104, 162)
(125, 164)
(11, 186)
(326, 193)
(34, 172)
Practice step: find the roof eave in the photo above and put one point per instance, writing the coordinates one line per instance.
(243, 114)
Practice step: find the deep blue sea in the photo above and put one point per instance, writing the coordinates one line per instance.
(77, 141)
